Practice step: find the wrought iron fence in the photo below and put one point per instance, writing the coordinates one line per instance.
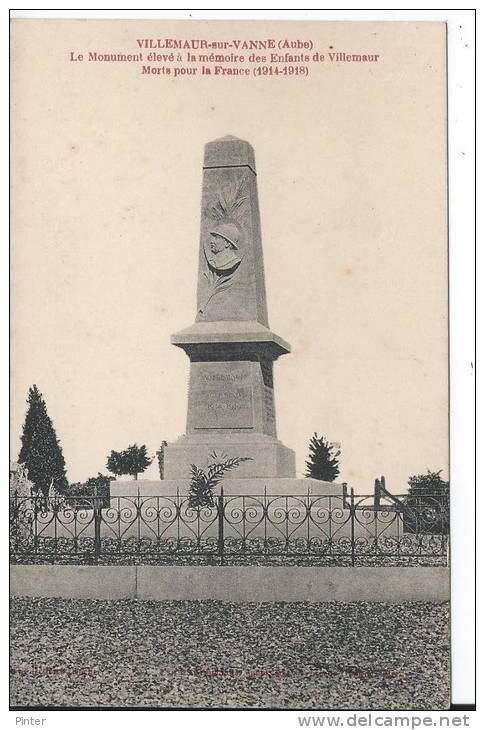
(344, 529)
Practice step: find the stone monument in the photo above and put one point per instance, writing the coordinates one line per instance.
(231, 403)
(231, 349)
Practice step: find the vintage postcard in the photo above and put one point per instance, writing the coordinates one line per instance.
(229, 478)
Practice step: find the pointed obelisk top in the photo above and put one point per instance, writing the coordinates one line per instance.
(231, 293)
(229, 151)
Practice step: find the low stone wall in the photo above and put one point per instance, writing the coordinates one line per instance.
(237, 584)
(73, 581)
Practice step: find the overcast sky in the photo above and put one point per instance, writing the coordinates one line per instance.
(106, 210)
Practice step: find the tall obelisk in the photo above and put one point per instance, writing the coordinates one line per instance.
(231, 408)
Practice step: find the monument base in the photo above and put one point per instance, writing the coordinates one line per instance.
(245, 486)
(268, 456)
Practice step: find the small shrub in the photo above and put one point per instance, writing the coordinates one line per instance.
(427, 505)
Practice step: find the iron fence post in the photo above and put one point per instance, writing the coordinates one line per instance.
(36, 528)
(97, 528)
(352, 527)
(177, 514)
(220, 520)
(265, 517)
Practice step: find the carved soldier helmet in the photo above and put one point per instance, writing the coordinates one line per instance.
(229, 231)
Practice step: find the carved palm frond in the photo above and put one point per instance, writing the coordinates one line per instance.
(202, 483)
(229, 202)
(216, 284)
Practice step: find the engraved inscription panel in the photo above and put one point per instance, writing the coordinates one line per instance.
(221, 395)
(223, 408)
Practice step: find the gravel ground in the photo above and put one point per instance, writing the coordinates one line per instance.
(376, 561)
(79, 653)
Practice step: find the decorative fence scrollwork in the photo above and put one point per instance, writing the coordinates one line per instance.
(279, 529)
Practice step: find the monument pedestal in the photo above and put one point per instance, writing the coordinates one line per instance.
(268, 456)
(231, 401)
(247, 486)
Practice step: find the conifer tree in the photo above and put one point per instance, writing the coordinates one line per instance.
(322, 460)
(41, 451)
